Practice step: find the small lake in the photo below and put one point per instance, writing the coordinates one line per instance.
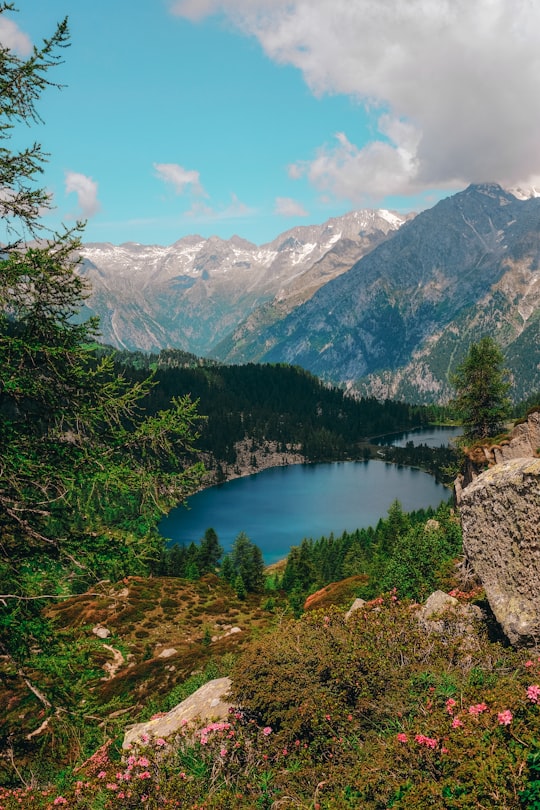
(278, 507)
(432, 436)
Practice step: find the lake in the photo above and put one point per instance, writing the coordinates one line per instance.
(432, 436)
(278, 507)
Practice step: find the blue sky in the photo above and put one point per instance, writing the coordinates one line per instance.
(253, 116)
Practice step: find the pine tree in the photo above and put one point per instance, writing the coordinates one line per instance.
(482, 387)
(247, 562)
(240, 586)
(210, 552)
(84, 476)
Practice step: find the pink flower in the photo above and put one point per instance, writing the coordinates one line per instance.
(529, 663)
(266, 731)
(145, 775)
(402, 737)
(429, 742)
(160, 741)
(478, 708)
(533, 692)
(101, 775)
(223, 752)
(60, 800)
(143, 762)
(505, 718)
(456, 722)
(145, 737)
(450, 703)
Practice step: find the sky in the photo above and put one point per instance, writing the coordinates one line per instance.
(249, 117)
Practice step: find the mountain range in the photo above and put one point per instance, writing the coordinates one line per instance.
(381, 303)
(194, 293)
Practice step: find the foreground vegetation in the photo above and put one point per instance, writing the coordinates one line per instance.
(375, 712)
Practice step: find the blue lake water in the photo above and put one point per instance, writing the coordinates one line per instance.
(433, 436)
(278, 507)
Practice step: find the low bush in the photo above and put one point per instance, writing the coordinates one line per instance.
(373, 713)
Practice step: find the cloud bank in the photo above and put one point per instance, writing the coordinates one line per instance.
(86, 190)
(452, 85)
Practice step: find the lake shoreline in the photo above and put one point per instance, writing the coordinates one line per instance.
(250, 461)
(266, 457)
(278, 509)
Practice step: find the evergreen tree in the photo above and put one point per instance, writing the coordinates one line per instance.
(482, 386)
(210, 552)
(240, 586)
(227, 569)
(247, 562)
(84, 476)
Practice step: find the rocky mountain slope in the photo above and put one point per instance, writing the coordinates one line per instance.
(194, 293)
(398, 321)
(377, 302)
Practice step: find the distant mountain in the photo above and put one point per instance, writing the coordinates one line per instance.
(193, 294)
(378, 302)
(399, 320)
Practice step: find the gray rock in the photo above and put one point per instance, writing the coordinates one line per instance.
(444, 615)
(500, 516)
(168, 652)
(207, 703)
(438, 603)
(356, 605)
(100, 631)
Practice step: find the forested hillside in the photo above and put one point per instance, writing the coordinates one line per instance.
(268, 402)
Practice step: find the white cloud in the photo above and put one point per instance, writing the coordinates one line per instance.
(180, 178)
(287, 207)
(205, 213)
(86, 190)
(13, 38)
(453, 84)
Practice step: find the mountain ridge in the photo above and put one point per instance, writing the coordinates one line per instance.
(398, 321)
(380, 303)
(192, 294)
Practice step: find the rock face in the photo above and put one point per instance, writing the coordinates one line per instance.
(523, 442)
(207, 703)
(500, 515)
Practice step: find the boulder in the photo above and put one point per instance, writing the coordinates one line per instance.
(100, 631)
(500, 517)
(442, 612)
(207, 703)
(438, 603)
(356, 605)
(168, 652)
